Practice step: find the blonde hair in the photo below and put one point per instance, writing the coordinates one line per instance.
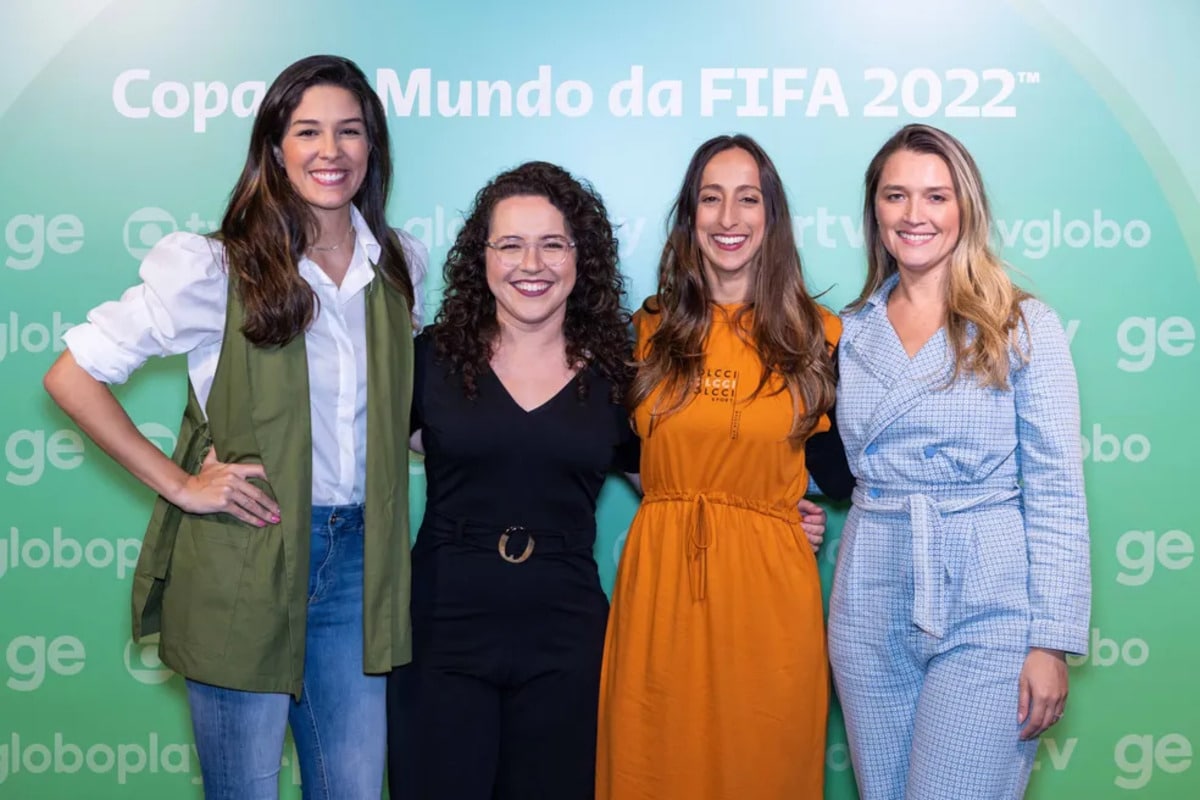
(983, 306)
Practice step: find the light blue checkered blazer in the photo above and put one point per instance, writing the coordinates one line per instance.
(916, 446)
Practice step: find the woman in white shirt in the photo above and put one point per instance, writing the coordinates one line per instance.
(253, 566)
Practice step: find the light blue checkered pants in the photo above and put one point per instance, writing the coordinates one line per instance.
(926, 652)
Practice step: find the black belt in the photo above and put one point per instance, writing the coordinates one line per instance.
(498, 536)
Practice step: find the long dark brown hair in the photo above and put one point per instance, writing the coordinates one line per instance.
(786, 328)
(267, 224)
(983, 306)
(596, 325)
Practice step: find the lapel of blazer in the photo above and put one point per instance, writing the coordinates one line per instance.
(868, 339)
(927, 372)
(871, 341)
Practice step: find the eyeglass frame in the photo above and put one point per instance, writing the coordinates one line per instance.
(537, 244)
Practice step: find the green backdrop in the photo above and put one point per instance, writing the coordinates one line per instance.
(121, 121)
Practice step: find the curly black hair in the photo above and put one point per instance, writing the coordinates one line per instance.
(596, 327)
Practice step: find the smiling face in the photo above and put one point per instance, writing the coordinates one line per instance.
(530, 294)
(917, 211)
(324, 149)
(731, 218)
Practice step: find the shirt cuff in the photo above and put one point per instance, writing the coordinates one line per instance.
(91, 349)
(1052, 635)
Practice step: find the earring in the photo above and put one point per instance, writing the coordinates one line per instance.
(278, 155)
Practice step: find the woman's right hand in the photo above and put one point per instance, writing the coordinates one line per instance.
(812, 520)
(226, 487)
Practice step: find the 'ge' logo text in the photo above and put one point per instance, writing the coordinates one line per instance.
(28, 235)
(1139, 552)
(28, 452)
(1137, 756)
(1141, 338)
(30, 656)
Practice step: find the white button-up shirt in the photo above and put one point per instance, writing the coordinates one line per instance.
(180, 308)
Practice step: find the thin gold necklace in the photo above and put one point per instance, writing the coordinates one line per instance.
(331, 248)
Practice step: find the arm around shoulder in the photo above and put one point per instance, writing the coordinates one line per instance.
(824, 452)
(825, 457)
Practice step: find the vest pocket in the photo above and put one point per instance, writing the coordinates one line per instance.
(159, 541)
(201, 591)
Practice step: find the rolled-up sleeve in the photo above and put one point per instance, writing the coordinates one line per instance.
(178, 306)
(1055, 508)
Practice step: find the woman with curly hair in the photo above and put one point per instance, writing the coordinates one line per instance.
(715, 682)
(518, 409)
(962, 579)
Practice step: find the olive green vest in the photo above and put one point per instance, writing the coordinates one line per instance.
(230, 599)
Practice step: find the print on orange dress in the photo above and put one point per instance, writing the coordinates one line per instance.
(719, 385)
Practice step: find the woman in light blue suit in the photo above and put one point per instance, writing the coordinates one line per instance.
(962, 579)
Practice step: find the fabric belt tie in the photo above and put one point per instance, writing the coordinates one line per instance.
(702, 530)
(925, 515)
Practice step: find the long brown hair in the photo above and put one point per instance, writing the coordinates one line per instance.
(267, 224)
(983, 306)
(786, 328)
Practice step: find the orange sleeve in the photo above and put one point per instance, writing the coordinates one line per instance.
(645, 323)
(833, 333)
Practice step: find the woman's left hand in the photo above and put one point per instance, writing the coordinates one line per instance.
(812, 519)
(1043, 691)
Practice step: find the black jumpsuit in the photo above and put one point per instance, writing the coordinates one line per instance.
(500, 699)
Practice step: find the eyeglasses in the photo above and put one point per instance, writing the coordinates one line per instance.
(552, 250)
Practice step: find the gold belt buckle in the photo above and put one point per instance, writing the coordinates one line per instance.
(503, 546)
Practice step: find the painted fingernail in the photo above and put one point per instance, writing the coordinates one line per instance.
(274, 518)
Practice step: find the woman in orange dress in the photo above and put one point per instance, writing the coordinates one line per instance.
(715, 681)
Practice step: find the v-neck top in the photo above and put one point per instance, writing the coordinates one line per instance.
(488, 460)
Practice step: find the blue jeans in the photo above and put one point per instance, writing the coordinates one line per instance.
(339, 724)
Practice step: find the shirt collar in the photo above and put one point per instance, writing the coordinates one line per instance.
(868, 314)
(365, 237)
(361, 271)
(879, 296)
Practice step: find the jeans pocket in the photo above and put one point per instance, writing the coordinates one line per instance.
(321, 552)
